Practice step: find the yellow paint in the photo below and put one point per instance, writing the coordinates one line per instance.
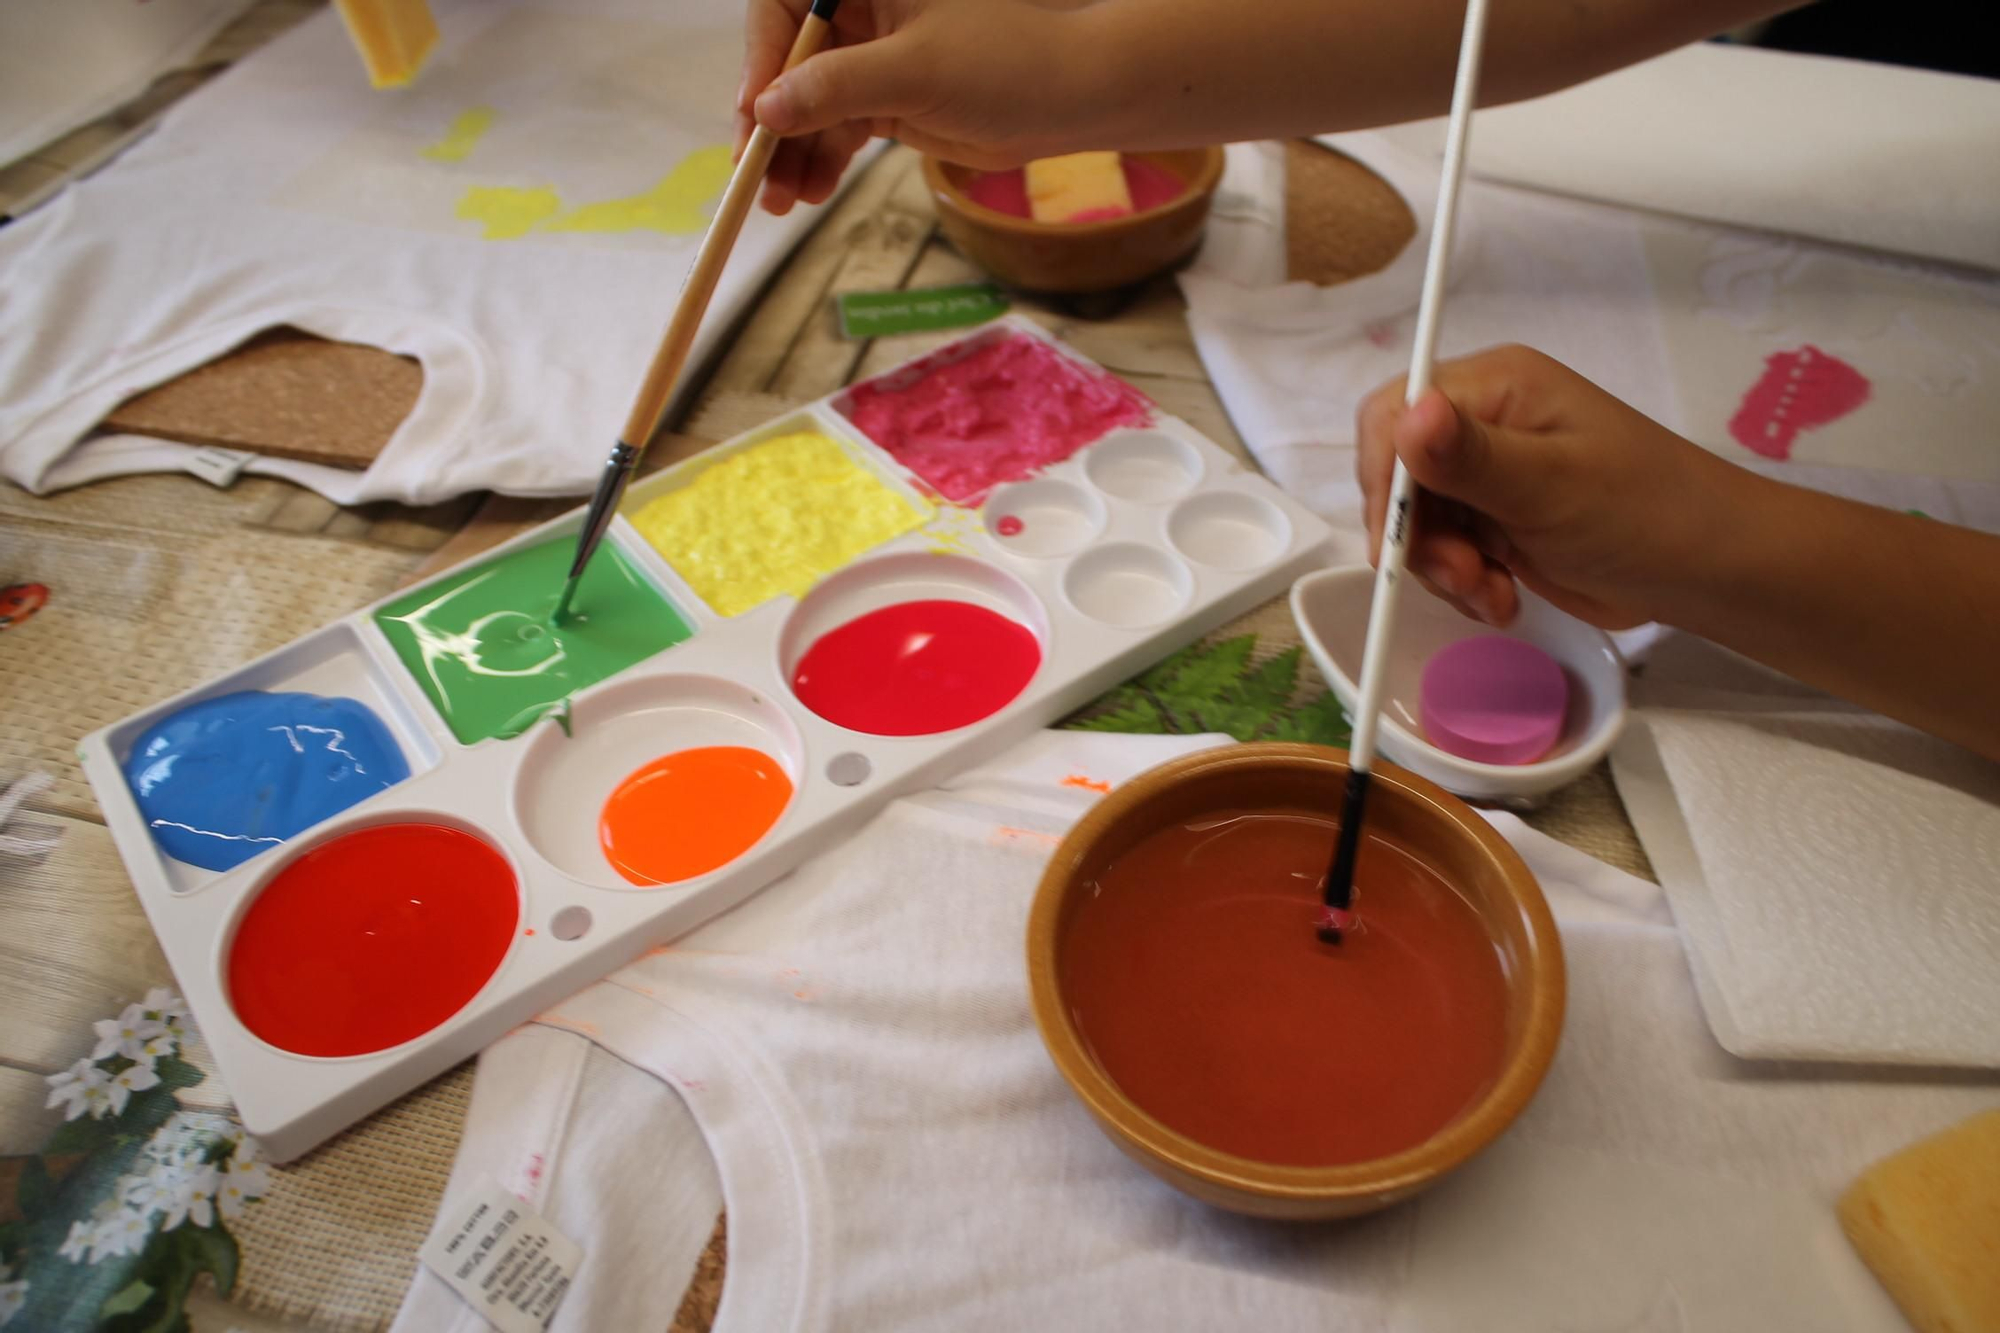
(774, 518)
(679, 205)
(463, 136)
(507, 212)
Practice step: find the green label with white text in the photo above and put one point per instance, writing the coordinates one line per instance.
(874, 314)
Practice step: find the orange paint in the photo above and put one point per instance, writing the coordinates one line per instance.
(1088, 784)
(691, 812)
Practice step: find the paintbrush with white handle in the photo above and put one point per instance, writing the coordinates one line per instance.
(1337, 914)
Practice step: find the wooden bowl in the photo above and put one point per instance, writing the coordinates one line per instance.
(1441, 831)
(1078, 257)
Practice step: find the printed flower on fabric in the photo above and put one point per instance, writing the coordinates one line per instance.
(165, 1006)
(126, 1034)
(80, 1088)
(13, 1294)
(124, 1209)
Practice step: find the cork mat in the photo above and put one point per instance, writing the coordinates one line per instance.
(285, 393)
(1341, 220)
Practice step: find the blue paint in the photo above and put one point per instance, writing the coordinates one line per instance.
(224, 779)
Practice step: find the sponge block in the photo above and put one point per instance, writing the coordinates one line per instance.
(1927, 1220)
(1078, 187)
(394, 37)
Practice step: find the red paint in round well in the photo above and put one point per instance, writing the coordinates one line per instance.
(1010, 526)
(917, 668)
(1198, 984)
(372, 939)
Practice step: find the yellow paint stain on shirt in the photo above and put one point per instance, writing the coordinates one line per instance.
(774, 518)
(506, 212)
(463, 136)
(679, 205)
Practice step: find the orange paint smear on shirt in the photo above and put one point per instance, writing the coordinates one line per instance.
(1088, 784)
(691, 812)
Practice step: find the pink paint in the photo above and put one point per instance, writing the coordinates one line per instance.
(1149, 184)
(1493, 700)
(1798, 391)
(1007, 411)
(1009, 526)
(1002, 191)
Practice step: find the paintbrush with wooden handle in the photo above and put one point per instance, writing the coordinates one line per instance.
(668, 361)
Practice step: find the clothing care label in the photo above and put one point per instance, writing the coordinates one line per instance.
(218, 466)
(873, 314)
(503, 1258)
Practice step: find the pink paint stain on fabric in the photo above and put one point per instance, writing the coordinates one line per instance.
(1010, 409)
(1798, 391)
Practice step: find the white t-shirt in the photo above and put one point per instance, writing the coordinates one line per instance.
(848, 1062)
(519, 220)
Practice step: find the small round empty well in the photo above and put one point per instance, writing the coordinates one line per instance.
(372, 938)
(1229, 530)
(660, 780)
(1044, 517)
(913, 645)
(1144, 465)
(1128, 585)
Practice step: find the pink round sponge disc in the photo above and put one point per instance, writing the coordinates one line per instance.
(1494, 700)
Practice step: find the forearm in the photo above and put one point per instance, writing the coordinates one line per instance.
(1897, 612)
(1171, 73)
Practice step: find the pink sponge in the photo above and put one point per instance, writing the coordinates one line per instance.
(1494, 700)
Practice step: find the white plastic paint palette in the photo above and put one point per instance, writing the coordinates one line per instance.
(1132, 547)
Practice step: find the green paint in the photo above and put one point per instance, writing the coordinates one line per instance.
(873, 314)
(481, 644)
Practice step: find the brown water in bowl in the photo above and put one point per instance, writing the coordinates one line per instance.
(1192, 971)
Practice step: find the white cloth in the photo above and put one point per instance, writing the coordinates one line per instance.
(1839, 150)
(897, 1152)
(1836, 875)
(1292, 361)
(289, 192)
(64, 63)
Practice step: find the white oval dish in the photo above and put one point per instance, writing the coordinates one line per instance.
(1331, 608)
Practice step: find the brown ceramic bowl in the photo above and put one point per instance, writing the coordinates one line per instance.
(1078, 257)
(1423, 818)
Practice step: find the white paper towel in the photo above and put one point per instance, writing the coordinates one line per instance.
(1840, 150)
(1836, 875)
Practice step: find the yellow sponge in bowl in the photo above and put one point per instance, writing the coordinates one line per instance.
(394, 37)
(1927, 1220)
(1077, 187)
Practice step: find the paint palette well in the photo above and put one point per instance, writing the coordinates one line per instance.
(748, 680)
